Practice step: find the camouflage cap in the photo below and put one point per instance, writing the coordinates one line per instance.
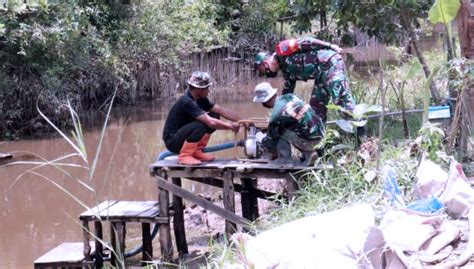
(200, 79)
(261, 56)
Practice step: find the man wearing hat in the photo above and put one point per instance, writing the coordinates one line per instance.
(310, 58)
(192, 120)
(291, 121)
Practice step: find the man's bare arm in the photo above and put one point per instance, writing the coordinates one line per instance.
(218, 124)
(226, 113)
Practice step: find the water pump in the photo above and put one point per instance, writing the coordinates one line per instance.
(253, 142)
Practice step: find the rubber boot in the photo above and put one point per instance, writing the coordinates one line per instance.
(283, 149)
(186, 154)
(198, 154)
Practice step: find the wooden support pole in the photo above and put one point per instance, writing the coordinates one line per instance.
(99, 250)
(86, 236)
(117, 234)
(249, 199)
(229, 201)
(165, 233)
(147, 245)
(291, 187)
(178, 221)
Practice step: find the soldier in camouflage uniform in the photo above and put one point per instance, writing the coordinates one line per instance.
(291, 121)
(310, 58)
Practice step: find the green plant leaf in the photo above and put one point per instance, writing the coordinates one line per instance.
(345, 125)
(359, 123)
(342, 147)
(415, 68)
(443, 11)
(332, 107)
(374, 108)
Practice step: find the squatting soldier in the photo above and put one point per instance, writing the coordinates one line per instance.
(310, 58)
(291, 121)
(192, 120)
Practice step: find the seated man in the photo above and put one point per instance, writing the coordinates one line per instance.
(192, 120)
(291, 121)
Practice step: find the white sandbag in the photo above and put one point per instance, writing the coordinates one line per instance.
(331, 240)
(430, 179)
(458, 196)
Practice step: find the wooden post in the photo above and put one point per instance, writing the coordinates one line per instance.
(291, 187)
(465, 22)
(117, 234)
(147, 245)
(178, 221)
(86, 236)
(229, 201)
(99, 259)
(248, 199)
(165, 233)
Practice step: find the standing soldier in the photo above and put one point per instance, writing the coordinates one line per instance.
(291, 121)
(310, 58)
(192, 120)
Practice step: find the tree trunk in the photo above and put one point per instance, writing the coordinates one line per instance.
(466, 40)
(421, 58)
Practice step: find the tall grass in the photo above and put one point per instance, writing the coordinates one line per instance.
(79, 157)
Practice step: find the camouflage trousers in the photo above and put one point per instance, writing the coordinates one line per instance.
(331, 84)
(298, 142)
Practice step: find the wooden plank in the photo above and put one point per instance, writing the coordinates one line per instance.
(228, 198)
(96, 210)
(127, 208)
(132, 209)
(230, 164)
(163, 183)
(64, 254)
(178, 221)
(165, 233)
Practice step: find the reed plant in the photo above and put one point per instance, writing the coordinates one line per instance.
(78, 159)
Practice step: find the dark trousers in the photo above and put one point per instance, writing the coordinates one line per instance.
(191, 132)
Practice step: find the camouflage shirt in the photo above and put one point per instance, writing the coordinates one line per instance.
(291, 113)
(309, 61)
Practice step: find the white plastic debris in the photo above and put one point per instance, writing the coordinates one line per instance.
(331, 240)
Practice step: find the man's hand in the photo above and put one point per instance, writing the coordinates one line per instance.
(336, 48)
(235, 126)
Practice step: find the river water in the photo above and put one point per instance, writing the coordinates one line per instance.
(36, 215)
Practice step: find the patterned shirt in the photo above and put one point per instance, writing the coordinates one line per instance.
(290, 112)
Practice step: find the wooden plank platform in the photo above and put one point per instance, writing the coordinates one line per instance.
(118, 213)
(68, 255)
(233, 164)
(128, 211)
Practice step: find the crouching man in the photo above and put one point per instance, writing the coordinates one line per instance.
(291, 121)
(192, 120)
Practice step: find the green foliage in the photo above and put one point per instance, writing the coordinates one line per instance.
(85, 52)
(444, 11)
(431, 140)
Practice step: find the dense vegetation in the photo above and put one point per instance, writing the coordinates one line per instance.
(84, 51)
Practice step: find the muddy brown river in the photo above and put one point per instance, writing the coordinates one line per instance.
(36, 215)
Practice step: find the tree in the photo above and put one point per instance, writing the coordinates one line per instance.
(390, 21)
